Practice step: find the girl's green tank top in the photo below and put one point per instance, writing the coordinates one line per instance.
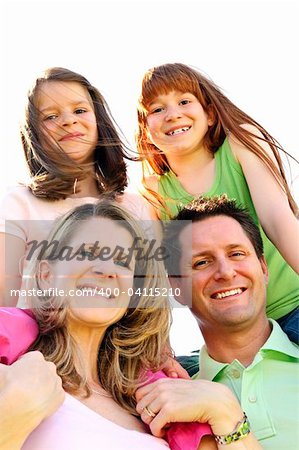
(283, 286)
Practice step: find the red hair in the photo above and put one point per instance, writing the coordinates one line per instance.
(228, 118)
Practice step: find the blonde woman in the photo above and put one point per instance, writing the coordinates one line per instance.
(100, 295)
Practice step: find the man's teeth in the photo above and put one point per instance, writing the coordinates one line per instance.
(179, 130)
(228, 293)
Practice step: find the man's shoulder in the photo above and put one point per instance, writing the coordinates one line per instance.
(190, 362)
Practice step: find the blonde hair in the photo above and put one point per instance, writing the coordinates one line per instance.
(134, 344)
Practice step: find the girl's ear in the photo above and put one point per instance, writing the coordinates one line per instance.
(45, 275)
(211, 115)
(147, 137)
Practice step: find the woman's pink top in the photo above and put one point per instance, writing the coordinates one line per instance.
(74, 426)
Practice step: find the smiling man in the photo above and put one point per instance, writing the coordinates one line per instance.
(225, 274)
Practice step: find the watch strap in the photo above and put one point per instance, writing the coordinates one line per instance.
(241, 430)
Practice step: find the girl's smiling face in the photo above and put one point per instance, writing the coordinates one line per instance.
(177, 123)
(67, 118)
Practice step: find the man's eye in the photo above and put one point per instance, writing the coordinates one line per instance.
(238, 254)
(200, 264)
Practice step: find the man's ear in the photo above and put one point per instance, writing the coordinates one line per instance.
(44, 275)
(177, 291)
(264, 268)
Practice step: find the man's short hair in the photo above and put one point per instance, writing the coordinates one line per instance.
(198, 210)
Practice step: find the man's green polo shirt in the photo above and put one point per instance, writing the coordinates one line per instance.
(268, 389)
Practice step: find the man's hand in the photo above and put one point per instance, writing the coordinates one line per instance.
(30, 391)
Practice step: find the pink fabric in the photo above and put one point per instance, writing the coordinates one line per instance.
(74, 426)
(180, 435)
(18, 330)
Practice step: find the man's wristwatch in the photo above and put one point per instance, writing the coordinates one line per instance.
(242, 430)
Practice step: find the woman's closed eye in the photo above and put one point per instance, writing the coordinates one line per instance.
(86, 253)
(123, 262)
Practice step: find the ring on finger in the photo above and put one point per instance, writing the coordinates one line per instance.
(148, 410)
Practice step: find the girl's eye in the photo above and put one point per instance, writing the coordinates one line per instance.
(185, 102)
(51, 117)
(156, 110)
(80, 111)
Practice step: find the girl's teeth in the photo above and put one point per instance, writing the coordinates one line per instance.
(180, 130)
(228, 293)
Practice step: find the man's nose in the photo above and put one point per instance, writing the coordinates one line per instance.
(225, 270)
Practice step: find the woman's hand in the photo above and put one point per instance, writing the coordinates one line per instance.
(175, 400)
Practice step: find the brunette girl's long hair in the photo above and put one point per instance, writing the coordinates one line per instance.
(53, 173)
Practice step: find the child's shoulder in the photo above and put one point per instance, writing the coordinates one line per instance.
(18, 203)
(152, 182)
(20, 193)
(242, 153)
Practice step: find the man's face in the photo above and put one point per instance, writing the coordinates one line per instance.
(228, 279)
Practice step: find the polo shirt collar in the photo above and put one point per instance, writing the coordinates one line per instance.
(278, 341)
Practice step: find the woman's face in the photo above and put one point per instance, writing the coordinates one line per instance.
(95, 272)
(67, 119)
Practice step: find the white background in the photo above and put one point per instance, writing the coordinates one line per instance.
(249, 48)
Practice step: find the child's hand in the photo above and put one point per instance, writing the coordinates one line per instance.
(173, 369)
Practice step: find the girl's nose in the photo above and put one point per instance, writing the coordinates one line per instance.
(68, 118)
(172, 113)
